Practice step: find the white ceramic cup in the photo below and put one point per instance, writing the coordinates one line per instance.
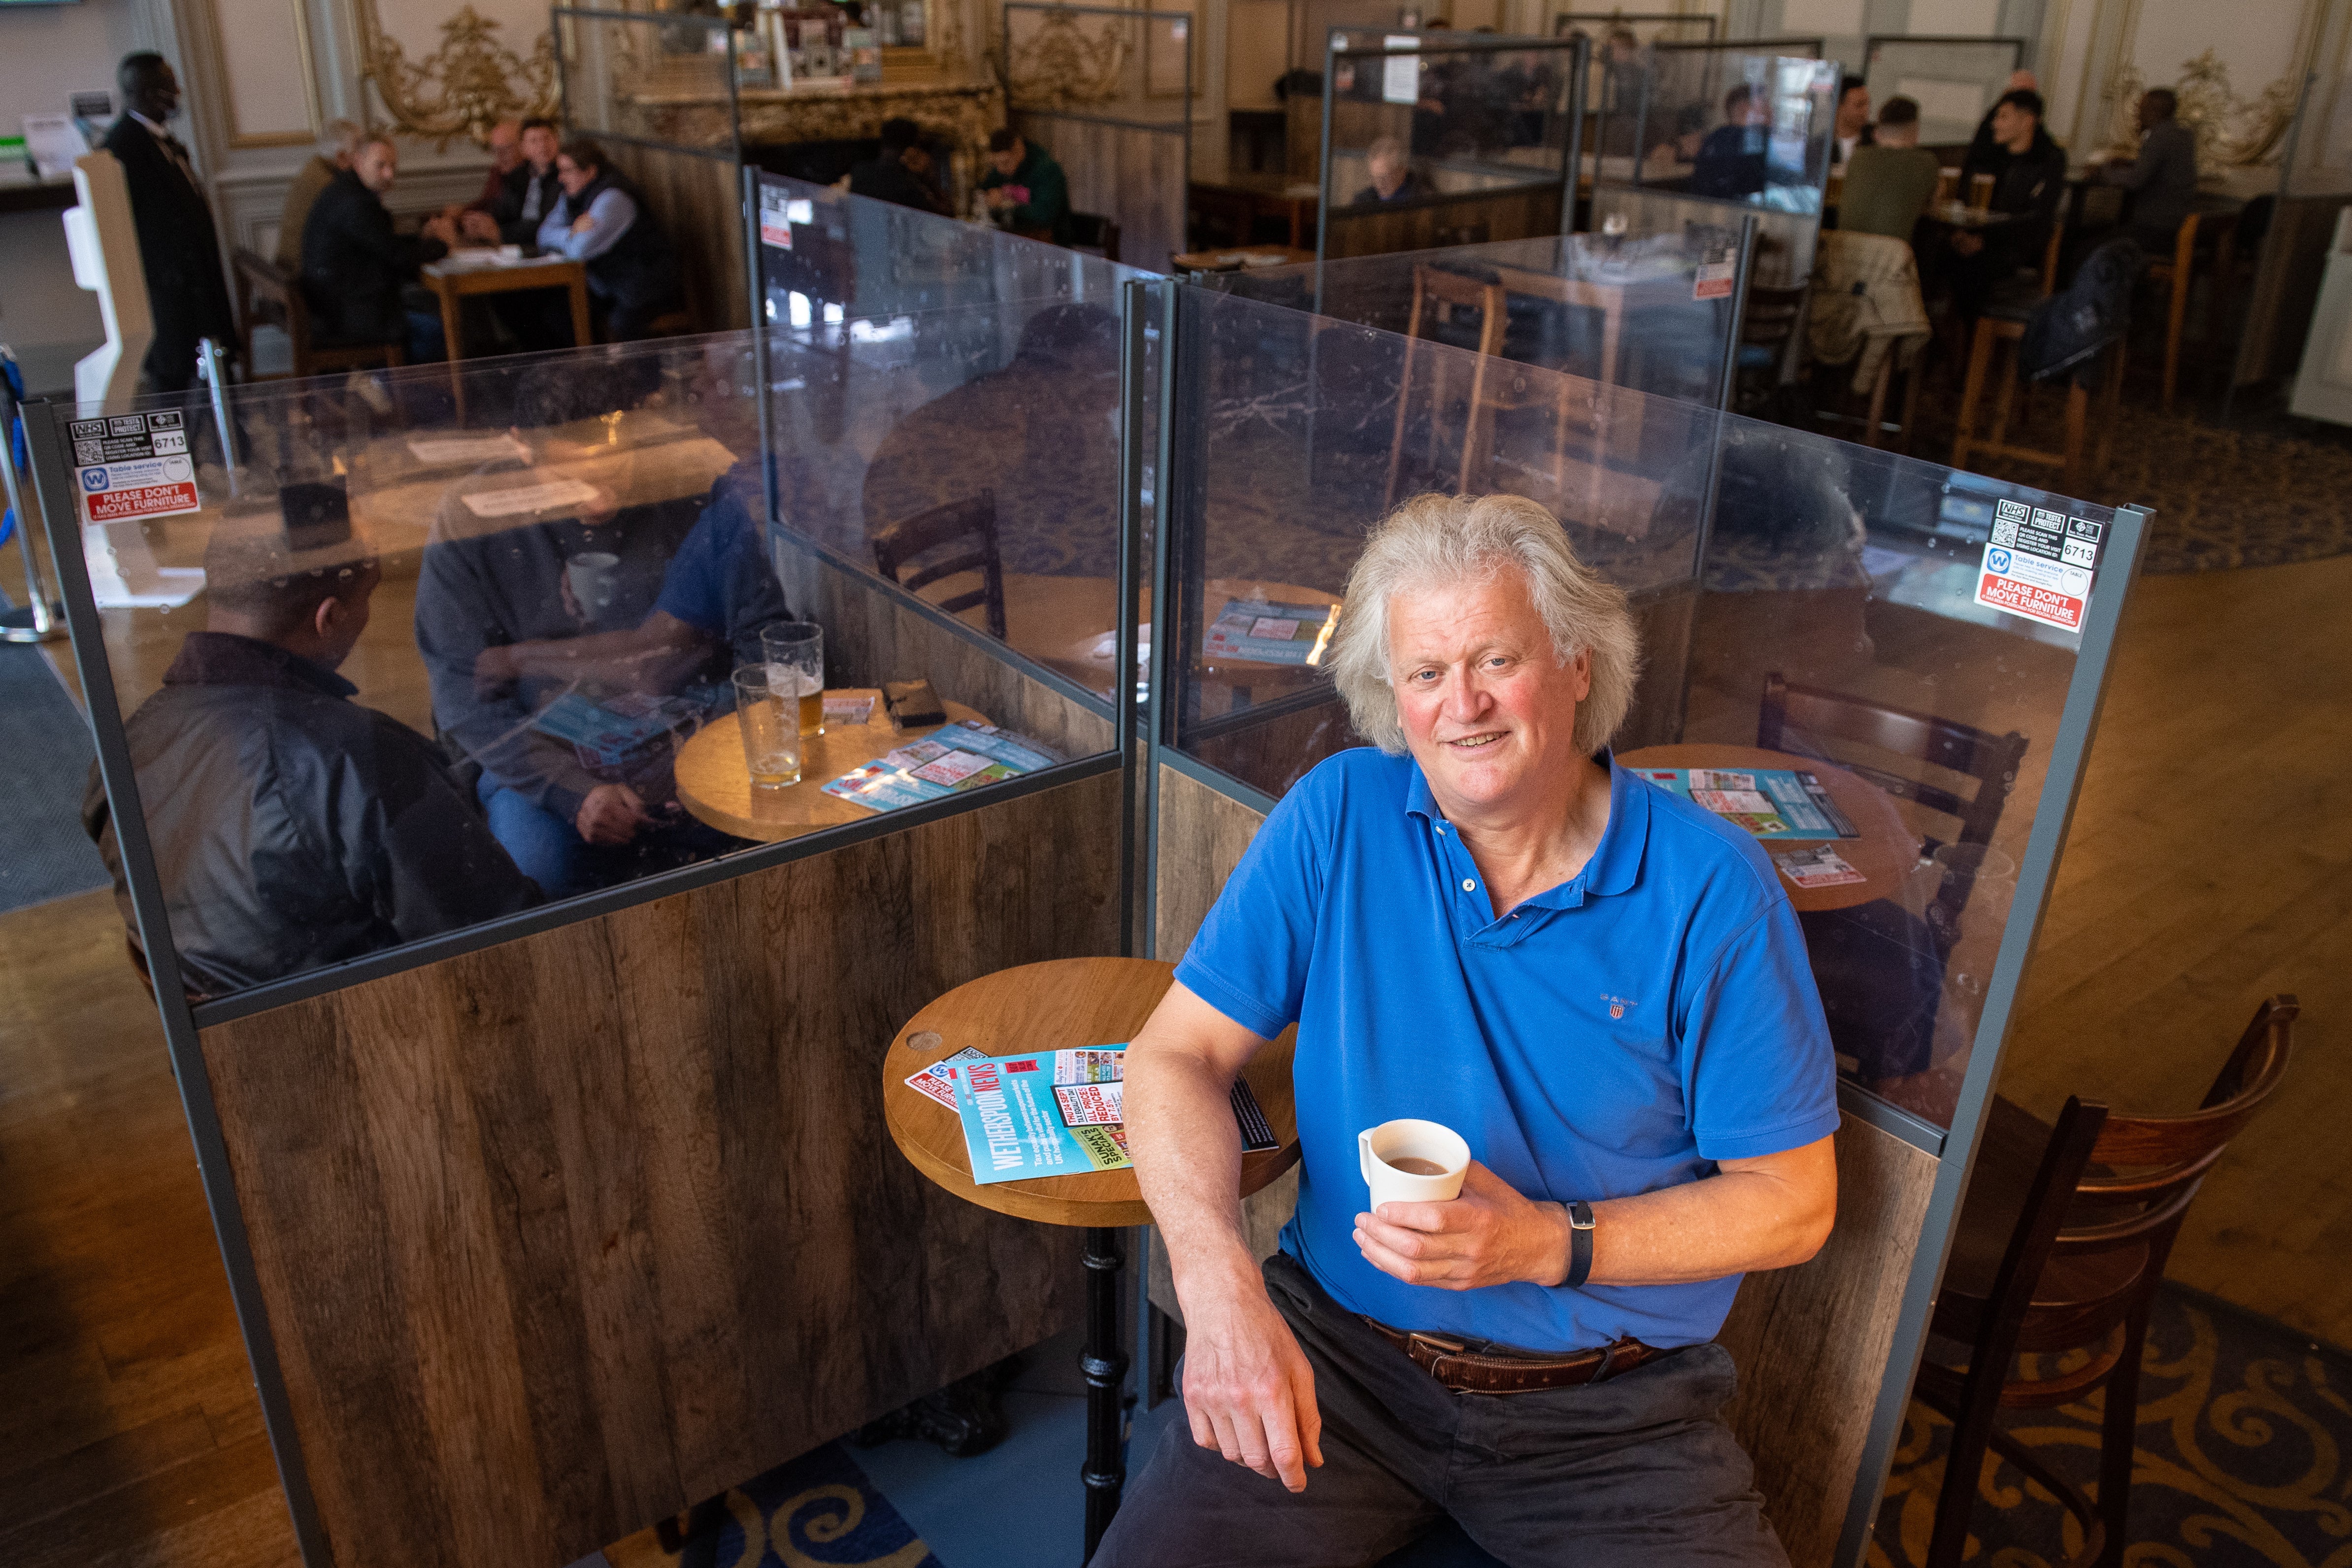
(595, 580)
(1410, 1139)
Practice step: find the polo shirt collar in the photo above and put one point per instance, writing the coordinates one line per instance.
(1615, 862)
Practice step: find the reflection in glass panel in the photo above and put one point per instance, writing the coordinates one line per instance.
(1955, 81)
(1625, 310)
(1461, 140)
(1819, 625)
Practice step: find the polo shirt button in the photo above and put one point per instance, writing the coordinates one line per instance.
(1468, 886)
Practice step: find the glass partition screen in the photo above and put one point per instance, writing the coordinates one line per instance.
(1859, 657)
(1649, 312)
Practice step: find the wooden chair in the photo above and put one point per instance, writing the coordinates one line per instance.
(267, 294)
(2063, 1240)
(1094, 232)
(966, 531)
(1768, 328)
(1433, 288)
(2221, 226)
(1799, 717)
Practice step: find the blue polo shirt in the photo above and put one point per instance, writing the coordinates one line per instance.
(1613, 1036)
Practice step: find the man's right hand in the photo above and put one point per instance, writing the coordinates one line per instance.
(611, 815)
(1248, 1391)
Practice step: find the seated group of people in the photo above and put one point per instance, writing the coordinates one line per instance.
(1890, 179)
(359, 271)
(293, 827)
(1024, 189)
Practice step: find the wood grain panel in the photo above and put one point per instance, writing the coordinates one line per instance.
(1133, 176)
(1202, 836)
(1525, 212)
(699, 205)
(560, 1236)
(1811, 1342)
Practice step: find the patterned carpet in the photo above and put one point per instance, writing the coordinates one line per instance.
(2244, 1457)
(819, 1511)
(2266, 491)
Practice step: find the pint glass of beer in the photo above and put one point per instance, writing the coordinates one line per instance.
(795, 649)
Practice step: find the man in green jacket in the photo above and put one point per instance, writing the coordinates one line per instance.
(1891, 180)
(1026, 188)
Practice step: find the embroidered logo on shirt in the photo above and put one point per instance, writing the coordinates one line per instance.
(1617, 1005)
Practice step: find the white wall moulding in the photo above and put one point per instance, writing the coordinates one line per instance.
(269, 85)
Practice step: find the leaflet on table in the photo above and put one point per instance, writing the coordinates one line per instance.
(1819, 867)
(1078, 1067)
(952, 758)
(1265, 632)
(1057, 1113)
(607, 731)
(1771, 803)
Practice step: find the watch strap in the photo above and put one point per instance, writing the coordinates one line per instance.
(1580, 1242)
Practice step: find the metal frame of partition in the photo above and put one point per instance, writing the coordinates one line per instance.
(1178, 577)
(1581, 59)
(1563, 20)
(1181, 127)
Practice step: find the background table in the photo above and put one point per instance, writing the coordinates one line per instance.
(1884, 854)
(1064, 1004)
(715, 783)
(1066, 624)
(1244, 195)
(452, 281)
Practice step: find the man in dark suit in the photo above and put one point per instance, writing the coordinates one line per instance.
(178, 245)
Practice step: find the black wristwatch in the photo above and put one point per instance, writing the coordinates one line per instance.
(1580, 1242)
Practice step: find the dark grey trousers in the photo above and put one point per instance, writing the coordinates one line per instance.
(1636, 1472)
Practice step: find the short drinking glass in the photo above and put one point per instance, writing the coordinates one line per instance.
(795, 650)
(772, 740)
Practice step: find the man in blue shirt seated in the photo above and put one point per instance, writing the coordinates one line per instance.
(1488, 924)
(602, 220)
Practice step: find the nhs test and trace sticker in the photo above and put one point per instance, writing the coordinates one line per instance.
(2039, 563)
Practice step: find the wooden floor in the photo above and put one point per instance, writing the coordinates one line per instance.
(2210, 864)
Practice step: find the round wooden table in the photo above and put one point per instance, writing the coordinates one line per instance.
(714, 784)
(1067, 624)
(1058, 1005)
(1884, 854)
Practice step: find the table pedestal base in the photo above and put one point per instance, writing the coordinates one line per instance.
(1105, 1366)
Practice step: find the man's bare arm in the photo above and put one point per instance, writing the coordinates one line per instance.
(1770, 1212)
(1248, 1391)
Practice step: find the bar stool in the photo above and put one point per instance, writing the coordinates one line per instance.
(2222, 225)
(2004, 322)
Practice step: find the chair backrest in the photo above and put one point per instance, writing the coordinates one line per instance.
(1799, 718)
(1772, 313)
(2150, 1167)
(1093, 231)
(2050, 245)
(279, 295)
(948, 540)
(1436, 285)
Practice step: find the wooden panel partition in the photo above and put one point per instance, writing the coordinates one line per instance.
(562, 1236)
(698, 202)
(1811, 1342)
(1516, 212)
(1132, 174)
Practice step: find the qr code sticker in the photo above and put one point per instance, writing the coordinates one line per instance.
(85, 451)
(2004, 530)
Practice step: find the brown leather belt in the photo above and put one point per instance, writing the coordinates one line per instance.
(1453, 1363)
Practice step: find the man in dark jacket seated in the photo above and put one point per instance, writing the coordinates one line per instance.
(603, 221)
(888, 177)
(356, 270)
(1730, 162)
(573, 820)
(2029, 174)
(293, 827)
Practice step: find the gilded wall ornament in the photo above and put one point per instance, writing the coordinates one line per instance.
(464, 86)
(1061, 64)
(2231, 131)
